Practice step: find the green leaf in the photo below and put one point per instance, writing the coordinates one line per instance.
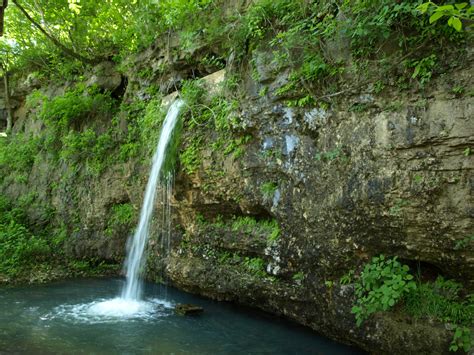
(461, 5)
(458, 332)
(457, 24)
(423, 7)
(436, 16)
(416, 72)
(445, 8)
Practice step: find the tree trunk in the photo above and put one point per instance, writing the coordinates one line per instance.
(69, 52)
(3, 6)
(7, 101)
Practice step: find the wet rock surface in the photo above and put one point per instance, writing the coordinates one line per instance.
(188, 309)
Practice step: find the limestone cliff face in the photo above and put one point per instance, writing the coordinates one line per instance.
(347, 184)
(387, 173)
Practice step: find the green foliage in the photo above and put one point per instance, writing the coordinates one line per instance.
(250, 225)
(19, 248)
(385, 282)
(423, 68)
(91, 267)
(17, 155)
(190, 157)
(201, 110)
(74, 107)
(268, 189)
(329, 284)
(123, 215)
(213, 114)
(462, 339)
(35, 99)
(87, 148)
(373, 22)
(64, 137)
(463, 243)
(441, 301)
(382, 284)
(245, 224)
(331, 155)
(347, 278)
(299, 276)
(453, 12)
(149, 124)
(256, 266)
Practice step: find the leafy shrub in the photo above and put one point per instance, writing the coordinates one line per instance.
(17, 154)
(88, 148)
(190, 157)
(19, 248)
(441, 301)
(75, 106)
(382, 283)
(122, 215)
(250, 225)
(455, 13)
(462, 339)
(149, 125)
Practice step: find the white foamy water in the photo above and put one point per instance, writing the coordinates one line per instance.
(112, 311)
(134, 261)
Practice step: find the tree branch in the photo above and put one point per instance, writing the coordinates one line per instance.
(7, 99)
(3, 6)
(67, 51)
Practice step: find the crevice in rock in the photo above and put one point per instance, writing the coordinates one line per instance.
(422, 270)
(119, 92)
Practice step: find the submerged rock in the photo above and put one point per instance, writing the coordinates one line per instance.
(186, 309)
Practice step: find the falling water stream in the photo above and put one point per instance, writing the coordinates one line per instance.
(132, 289)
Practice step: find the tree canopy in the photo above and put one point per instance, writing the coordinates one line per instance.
(38, 31)
(43, 33)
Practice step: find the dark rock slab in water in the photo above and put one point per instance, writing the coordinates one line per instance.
(188, 309)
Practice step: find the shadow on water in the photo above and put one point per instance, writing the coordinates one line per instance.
(56, 318)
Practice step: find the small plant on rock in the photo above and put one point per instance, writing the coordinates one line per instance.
(268, 189)
(382, 283)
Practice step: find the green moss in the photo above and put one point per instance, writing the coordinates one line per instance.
(255, 266)
(123, 216)
(268, 189)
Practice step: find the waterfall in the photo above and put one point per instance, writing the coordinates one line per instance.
(136, 244)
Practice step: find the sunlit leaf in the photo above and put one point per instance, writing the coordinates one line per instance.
(457, 24)
(436, 16)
